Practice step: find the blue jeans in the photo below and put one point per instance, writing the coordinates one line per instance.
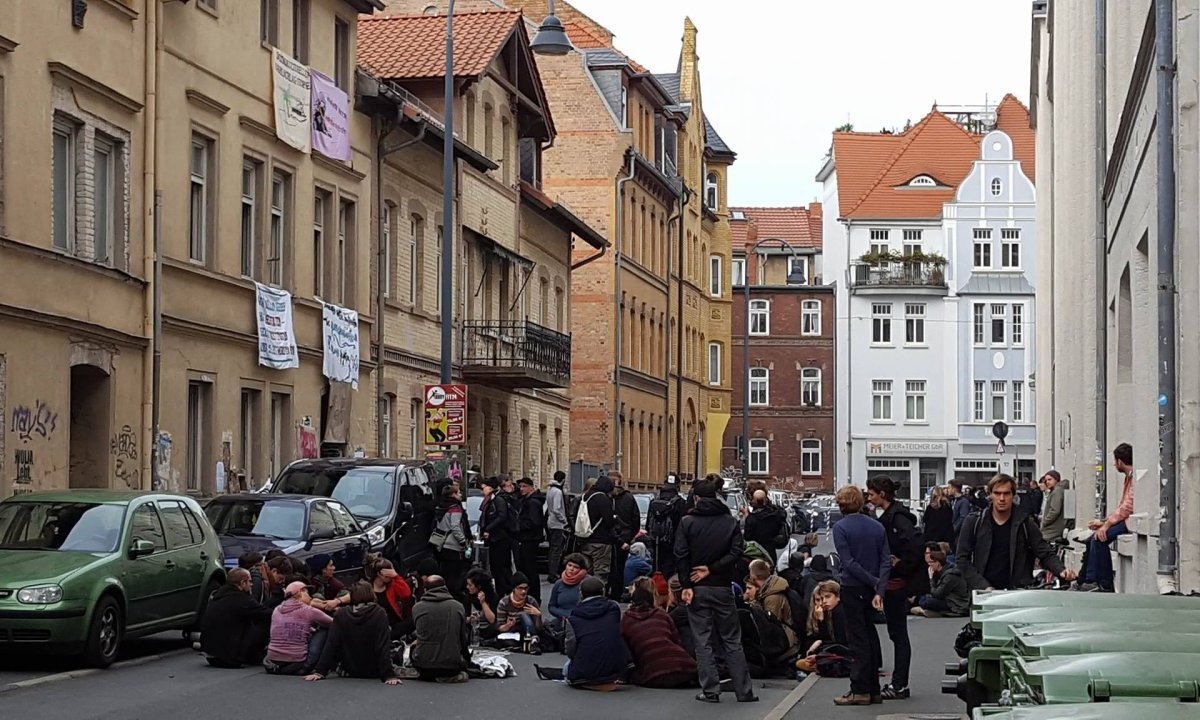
(527, 625)
(1099, 568)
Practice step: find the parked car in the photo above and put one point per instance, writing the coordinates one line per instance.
(83, 570)
(300, 525)
(395, 500)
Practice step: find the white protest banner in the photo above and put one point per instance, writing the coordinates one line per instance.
(276, 336)
(293, 101)
(339, 335)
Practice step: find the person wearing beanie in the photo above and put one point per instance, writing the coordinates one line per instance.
(598, 655)
(556, 524)
(519, 611)
(638, 564)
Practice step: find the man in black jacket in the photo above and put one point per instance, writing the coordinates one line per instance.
(629, 524)
(997, 546)
(766, 524)
(493, 527)
(235, 628)
(707, 549)
(531, 530)
(597, 544)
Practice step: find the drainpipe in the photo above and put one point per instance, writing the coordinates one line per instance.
(620, 234)
(1164, 51)
(669, 356)
(1101, 301)
(849, 479)
(151, 268)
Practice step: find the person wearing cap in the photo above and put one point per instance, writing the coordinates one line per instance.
(497, 536)
(531, 530)
(556, 524)
(359, 641)
(297, 633)
(519, 611)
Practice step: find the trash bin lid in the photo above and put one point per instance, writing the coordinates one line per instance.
(1167, 710)
(1114, 675)
(1060, 598)
(1070, 640)
(995, 624)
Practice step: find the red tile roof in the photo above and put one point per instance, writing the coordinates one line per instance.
(793, 225)
(413, 47)
(1012, 117)
(582, 38)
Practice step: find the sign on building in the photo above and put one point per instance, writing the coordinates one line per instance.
(293, 100)
(339, 337)
(445, 414)
(276, 336)
(905, 448)
(330, 118)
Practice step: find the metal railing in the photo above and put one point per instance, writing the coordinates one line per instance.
(897, 274)
(516, 344)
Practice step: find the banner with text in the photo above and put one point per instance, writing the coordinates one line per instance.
(276, 336)
(330, 118)
(293, 101)
(339, 335)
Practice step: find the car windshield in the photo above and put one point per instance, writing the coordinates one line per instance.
(643, 502)
(67, 526)
(368, 492)
(474, 505)
(278, 520)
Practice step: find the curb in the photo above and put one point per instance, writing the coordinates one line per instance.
(84, 672)
(793, 698)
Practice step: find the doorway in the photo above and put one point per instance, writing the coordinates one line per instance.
(89, 431)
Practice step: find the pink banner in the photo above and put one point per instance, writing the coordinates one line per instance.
(330, 118)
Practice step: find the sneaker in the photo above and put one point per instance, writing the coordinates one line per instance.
(534, 647)
(709, 698)
(891, 692)
(1087, 587)
(461, 677)
(852, 699)
(196, 646)
(407, 673)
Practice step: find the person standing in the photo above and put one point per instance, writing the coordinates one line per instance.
(628, 525)
(708, 547)
(556, 525)
(960, 504)
(493, 526)
(595, 527)
(662, 521)
(1054, 519)
(1098, 574)
(866, 565)
(766, 525)
(906, 559)
(531, 530)
(938, 520)
(452, 538)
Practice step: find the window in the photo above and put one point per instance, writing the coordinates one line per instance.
(145, 525)
(341, 53)
(914, 400)
(1018, 401)
(810, 457)
(385, 412)
(881, 400)
(999, 399)
(489, 133)
(64, 166)
(714, 363)
(624, 107)
(346, 253)
(710, 191)
(300, 30)
(203, 156)
(914, 323)
(321, 202)
(1018, 325)
(320, 520)
(760, 317)
(198, 411)
(437, 271)
(250, 173)
(108, 201)
(414, 425)
(210, 4)
(810, 317)
(913, 237)
(797, 270)
(388, 259)
(977, 323)
(977, 410)
(281, 192)
(737, 268)
(760, 383)
(983, 249)
(879, 240)
(881, 323)
(810, 387)
(922, 181)
(999, 319)
(176, 524)
(505, 152)
(997, 187)
(281, 428)
(1010, 248)
(249, 423)
(268, 21)
(760, 456)
(416, 237)
(714, 276)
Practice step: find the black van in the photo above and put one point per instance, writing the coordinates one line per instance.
(395, 500)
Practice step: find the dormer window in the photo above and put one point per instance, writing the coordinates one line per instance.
(710, 191)
(922, 181)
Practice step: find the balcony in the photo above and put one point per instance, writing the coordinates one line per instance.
(512, 355)
(882, 278)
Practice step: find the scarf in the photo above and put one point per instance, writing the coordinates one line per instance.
(518, 606)
(572, 579)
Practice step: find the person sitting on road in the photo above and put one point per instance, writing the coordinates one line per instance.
(481, 592)
(518, 611)
(564, 596)
(324, 584)
(825, 626)
(297, 633)
(359, 643)
(658, 654)
(948, 595)
(426, 568)
(770, 592)
(441, 652)
(278, 569)
(254, 563)
(393, 594)
(677, 610)
(235, 627)
(638, 564)
(598, 655)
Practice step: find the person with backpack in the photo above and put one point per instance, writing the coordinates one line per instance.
(556, 525)
(498, 533)
(627, 527)
(766, 525)
(771, 592)
(662, 520)
(594, 528)
(907, 557)
(531, 530)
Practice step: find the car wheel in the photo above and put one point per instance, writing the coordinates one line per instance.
(104, 634)
(212, 586)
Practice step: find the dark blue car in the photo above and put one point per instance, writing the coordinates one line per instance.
(301, 526)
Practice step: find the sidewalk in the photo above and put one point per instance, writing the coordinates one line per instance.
(933, 647)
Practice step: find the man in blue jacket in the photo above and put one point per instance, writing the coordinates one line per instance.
(866, 564)
(961, 507)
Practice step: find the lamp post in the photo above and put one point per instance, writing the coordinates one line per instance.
(745, 448)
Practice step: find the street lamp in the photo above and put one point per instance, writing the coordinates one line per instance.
(551, 39)
(745, 449)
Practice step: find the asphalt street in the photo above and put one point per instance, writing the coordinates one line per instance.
(21, 667)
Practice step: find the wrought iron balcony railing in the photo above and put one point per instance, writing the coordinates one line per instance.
(897, 275)
(515, 354)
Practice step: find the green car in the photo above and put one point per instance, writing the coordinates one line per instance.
(82, 570)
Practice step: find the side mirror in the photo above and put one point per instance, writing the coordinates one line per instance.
(405, 513)
(141, 548)
(327, 534)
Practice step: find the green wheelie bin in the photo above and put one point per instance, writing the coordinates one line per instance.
(981, 600)
(1072, 640)
(1092, 711)
(1102, 677)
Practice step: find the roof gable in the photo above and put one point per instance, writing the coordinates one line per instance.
(793, 225)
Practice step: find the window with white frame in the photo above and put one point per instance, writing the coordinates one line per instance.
(1018, 401)
(1010, 248)
(922, 181)
(912, 241)
(999, 399)
(711, 193)
(624, 107)
(250, 243)
(797, 270)
(997, 187)
(983, 249)
(714, 363)
(914, 400)
(737, 271)
(810, 317)
(760, 386)
(810, 457)
(200, 196)
(760, 317)
(760, 456)
(385, 414)
(1018, 325)
(914, 323)
(881, 400)
(999, 320)
(63, 162)
(414, 428)
(714, 276)
(281, 194)
(810, 387)
(879, 240)
(978, 321)
(881, 323)
(977, 401)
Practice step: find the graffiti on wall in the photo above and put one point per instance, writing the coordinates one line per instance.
(162, 462)
(38, 421)
(124, 448)
(24, 463)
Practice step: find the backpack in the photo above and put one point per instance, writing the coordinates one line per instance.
(833, 661)
(763, 640)
(662, 520)
(799, 610)
(583, 522)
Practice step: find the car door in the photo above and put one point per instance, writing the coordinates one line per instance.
(184, 550)
(322, 533)
(148, 580)
(349, 561)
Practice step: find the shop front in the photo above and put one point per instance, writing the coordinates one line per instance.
(917, 465)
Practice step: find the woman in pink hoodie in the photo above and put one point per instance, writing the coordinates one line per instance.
(297, 633)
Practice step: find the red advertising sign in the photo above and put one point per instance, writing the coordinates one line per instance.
(445, 415)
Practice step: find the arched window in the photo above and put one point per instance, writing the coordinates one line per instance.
(997, 187)
(760, 386)
(922, 181)
(810, 457)
(710, 191)
(760, 456)
(810, 317)
(760, 317)
(810, 387)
